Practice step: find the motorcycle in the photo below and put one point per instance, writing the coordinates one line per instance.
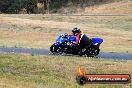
(64, 45)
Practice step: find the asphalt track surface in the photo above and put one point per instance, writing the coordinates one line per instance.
(105, 55)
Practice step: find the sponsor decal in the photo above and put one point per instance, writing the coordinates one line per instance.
(83, 78)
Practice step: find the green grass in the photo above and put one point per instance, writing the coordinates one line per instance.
(56, 71)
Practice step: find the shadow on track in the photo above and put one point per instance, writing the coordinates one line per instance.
(125, 56)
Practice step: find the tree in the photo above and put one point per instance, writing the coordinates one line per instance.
(4, 5)
(14, 6)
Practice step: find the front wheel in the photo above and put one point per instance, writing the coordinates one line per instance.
(56, 49)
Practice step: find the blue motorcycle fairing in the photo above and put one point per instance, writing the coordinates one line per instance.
(60, 39)
(72, 39)
(56, 44)
(97, 41)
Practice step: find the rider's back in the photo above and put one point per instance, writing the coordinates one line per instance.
(84, 42)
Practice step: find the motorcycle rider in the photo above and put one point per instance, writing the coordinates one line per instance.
(82, 41)
(78, 33)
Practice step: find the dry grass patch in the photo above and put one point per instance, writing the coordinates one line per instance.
(26, 71)
(39, 31)
(111, 8)
(26, 39)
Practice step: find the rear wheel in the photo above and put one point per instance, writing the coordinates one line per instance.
(56, 49)
(92, 52)
(96, 52)
(87, 52)
(80, 53)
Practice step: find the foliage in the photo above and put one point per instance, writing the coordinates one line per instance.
(15, 6)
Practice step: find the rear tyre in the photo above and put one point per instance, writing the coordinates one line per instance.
(96, 52)
(92, 52)
(87, 53)
(80, 53)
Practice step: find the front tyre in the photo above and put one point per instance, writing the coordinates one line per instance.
(56, 49)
